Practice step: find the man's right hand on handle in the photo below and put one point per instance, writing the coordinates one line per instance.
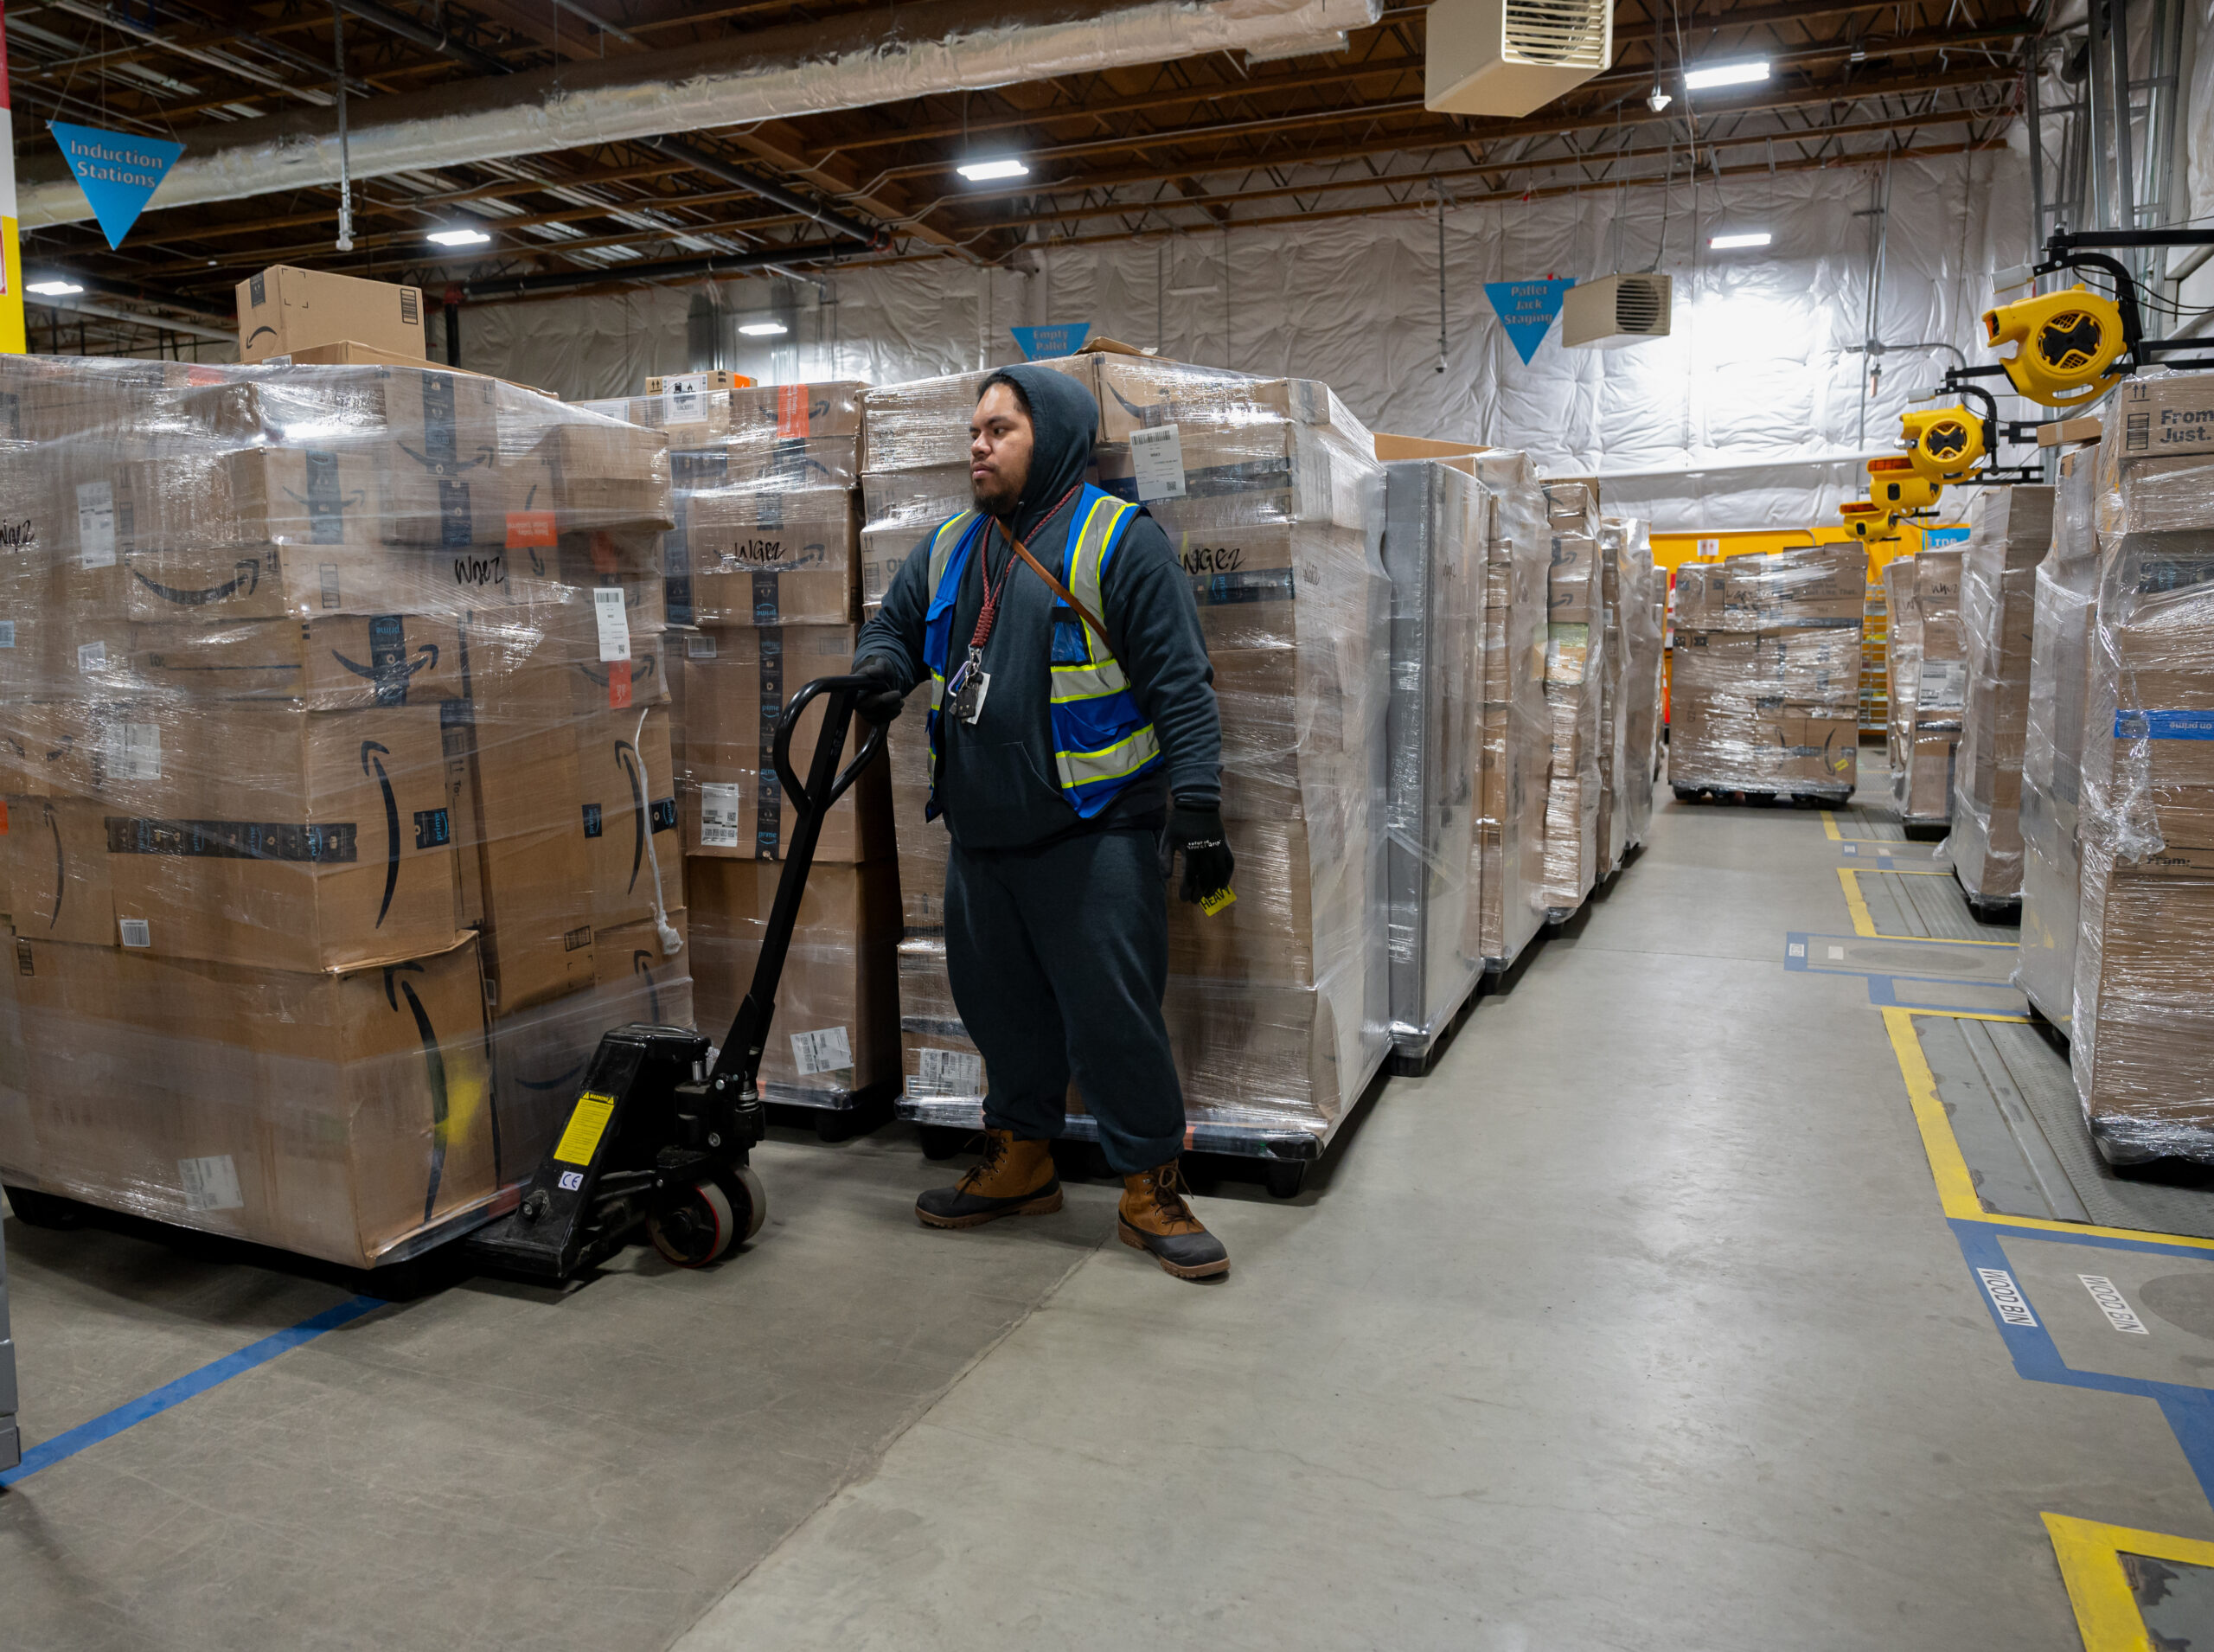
(882, 704)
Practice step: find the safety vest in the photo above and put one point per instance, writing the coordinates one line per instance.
(1101, 740)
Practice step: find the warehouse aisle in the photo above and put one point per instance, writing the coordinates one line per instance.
(1637, 1324)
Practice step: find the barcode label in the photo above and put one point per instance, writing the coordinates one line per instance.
(133, 752)
(1942, 686)
(7, 633)
(96, 524)
(1157, 462)
(719, 817)
(684, 398)
(135, 932)
(614, 624)
(91, 657)
(949, 1072)
(700, 645)
(824, 1051)
(211, 1183)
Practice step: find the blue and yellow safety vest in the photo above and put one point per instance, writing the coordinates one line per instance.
(1101, 740)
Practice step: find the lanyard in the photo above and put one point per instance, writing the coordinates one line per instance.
(989, 613)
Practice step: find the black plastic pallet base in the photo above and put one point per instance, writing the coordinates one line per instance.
(833, 1117)
(1825, 799)
(2004, 912)
(1926, 831)
(1418, 1064)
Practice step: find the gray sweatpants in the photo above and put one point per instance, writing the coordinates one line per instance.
(1059, 957)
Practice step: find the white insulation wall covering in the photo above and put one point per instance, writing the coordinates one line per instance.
(1757, 369)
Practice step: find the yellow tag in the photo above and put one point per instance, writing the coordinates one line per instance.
(586, 1125)
(1214, 903)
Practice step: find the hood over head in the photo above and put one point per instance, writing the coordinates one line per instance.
(1064, 419)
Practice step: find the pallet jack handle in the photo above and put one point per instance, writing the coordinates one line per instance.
(738, 1064)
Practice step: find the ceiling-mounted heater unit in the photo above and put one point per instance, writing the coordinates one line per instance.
(1511, 57)
(1614, 310)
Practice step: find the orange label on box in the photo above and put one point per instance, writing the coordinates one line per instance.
(3, 816)
(619, 685)
(791, 410)
(530, 530)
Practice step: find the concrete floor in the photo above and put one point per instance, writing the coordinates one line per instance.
(1636, 1324)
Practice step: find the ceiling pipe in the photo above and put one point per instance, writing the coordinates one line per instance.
(700, 160)
(77, 304)
(131, 293)
(862, 59)
(436, 39)
(656, 270)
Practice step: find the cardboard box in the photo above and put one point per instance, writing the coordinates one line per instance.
(1572, 582)
(283, 310)
(837, 1030)
(939, 1061)
(2143, 1049)
(337, 1115)
(773, 414)
(337, 662)
(627, 783)
(54, 866)
(639, 980)
(768, 558)
(736, 808)
(289, 839)
(607, 477)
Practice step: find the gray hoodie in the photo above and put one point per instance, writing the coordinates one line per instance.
(995, 783)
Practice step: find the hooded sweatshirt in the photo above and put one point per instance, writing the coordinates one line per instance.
(996, 780)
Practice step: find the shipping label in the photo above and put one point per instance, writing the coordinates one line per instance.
(1157, 463)
(827, 1050)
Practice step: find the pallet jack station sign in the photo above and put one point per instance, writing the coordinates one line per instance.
(1527, 309)
(118, 171)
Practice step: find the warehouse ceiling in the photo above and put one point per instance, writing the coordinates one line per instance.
(1175, 145)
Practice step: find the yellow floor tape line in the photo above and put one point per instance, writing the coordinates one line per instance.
(1829, 827)
(1956, 1193)
(1967, 1015)
(2090, 1553)
(1848, 878)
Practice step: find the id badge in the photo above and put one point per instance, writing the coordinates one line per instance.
(968, 687)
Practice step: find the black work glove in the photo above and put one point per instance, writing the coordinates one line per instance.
(882, 704)
(1196, 828)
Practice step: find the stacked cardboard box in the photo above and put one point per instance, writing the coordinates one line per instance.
(2010, 531)
(2143, 1046)
(2052, 747)
(1576, 670)
(771, 548)
(1765, 695)
(333, 775)
(1435, 522)
(1517, 721)
(1926, 683)
(1270, 493)
(1637, 607)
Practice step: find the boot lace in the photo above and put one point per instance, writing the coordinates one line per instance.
(996, 1147)
(1168, 1195)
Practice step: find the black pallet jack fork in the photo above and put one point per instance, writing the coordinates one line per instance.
(656, 1137)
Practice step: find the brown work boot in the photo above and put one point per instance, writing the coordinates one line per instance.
(1154, 1217)
(1014, 1178)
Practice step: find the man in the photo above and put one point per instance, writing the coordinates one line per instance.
(1074, 748)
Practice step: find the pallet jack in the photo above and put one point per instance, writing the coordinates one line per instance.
(663, 1126)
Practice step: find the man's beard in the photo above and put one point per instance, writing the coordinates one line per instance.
(994, 498)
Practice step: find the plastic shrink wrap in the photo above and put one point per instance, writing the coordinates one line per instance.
(1765, 696)
(1277, 1006)
(1517, 721)
(1576, 669)
(1435, 521)
(1928, 685)
(2052, 752)
(1644, 627)
(2143, 1045)
(2010, 531)
(768, 542)
(340, 813)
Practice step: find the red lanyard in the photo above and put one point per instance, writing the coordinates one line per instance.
(990, 612)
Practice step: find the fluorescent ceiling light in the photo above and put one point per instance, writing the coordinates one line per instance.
(1751, 238)
(459, 237)
(1725, 74)
(764, 329)
(54, 288)
(986, 171)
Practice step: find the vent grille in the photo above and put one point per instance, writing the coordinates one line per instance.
(1639, 306)
(1569, 32)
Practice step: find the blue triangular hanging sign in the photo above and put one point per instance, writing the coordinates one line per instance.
(117, 170)
(1526, 308)
(1055, 339)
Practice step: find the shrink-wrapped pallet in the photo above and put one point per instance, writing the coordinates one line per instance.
(1435, 521)
(1642, 624)
(2142, 1051)
(1517, 721)
(1764, 697)
(1926, 686)
(341, 802)
(2010, 531)
(2053, 750)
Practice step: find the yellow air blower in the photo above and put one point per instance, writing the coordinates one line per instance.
(1895, 485)
(1864, 519)
(2065, 345)
(1942, 445)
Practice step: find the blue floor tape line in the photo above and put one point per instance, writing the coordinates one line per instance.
(106, 1426)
